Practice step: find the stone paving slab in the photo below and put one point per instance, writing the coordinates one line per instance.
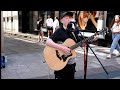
(26, 36)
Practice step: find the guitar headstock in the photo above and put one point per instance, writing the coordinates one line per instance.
(101, 31)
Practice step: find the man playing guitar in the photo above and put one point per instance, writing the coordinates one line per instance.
(60, 35)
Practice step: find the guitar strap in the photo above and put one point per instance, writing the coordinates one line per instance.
(74, 36)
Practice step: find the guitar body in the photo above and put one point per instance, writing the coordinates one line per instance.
(53, 56)
(56, 59)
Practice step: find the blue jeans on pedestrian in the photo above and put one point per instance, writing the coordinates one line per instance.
(115, 44)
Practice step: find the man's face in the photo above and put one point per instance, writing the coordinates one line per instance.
(65, 20)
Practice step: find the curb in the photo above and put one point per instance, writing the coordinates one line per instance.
(24, 36)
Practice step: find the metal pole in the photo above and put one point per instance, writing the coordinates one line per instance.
(105, 17)
(45, 18)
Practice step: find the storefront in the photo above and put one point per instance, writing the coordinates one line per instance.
(25, 22)
(10, 21)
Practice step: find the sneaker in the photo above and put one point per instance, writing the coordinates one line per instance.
(38, 41)
(117, 54)
(109, 56)
(42, 41)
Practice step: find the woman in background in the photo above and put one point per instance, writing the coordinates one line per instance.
(115, 28)
(39, 26)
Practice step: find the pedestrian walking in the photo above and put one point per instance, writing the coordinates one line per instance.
(115, 28)
(49, 24)
(55, 24)
(39, 29)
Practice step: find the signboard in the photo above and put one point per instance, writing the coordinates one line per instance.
(90, 22)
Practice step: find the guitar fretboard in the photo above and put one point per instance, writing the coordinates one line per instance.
(80, 43)
(86, 40)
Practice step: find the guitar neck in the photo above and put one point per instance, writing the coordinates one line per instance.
(89, 39)
(81, 42)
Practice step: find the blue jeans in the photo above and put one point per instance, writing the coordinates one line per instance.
(115, 44)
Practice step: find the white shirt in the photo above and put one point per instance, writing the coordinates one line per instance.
(56, 23)
(115, 26)
(49, 22)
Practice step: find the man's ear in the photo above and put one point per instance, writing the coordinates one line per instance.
(61, 20)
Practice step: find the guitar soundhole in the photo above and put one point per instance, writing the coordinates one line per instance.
(58, 55)
(63, 57)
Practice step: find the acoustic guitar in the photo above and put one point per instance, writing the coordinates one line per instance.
(56, 59)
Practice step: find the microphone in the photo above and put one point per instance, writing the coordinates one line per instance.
(71, 25)
(72, 28)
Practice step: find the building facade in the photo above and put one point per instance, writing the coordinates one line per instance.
(25, 21)
(10, 21)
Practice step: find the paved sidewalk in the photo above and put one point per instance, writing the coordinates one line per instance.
(25, 60)
(27, 36)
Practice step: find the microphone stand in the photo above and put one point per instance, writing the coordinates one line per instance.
(86, 46)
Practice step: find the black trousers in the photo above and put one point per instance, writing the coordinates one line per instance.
(68, 72)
